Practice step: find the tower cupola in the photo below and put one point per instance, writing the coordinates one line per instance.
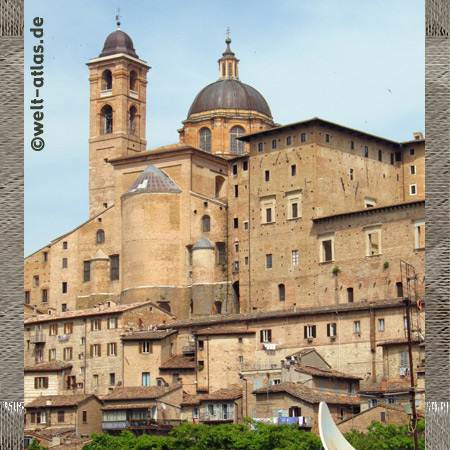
(228, 64)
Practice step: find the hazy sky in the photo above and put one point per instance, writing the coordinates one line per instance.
(359, 63)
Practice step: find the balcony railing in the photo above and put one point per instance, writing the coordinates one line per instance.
(116, 425)
(139, 424)
(220, 417)
(190, 348)
(38, 339)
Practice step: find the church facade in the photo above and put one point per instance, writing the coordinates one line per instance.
(242, 219)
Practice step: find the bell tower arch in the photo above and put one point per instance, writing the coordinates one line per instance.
(118, 83)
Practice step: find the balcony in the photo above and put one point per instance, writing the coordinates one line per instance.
(189, 349)
(140, 424)
(38, 338)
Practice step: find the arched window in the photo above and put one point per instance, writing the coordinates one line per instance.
(282, 292)
(204, 139)
(206, 224)
(133, 81)
(100, 237)
(131, 120)
(107, 119)
(219, 184)
(106, 80)
(236, 147)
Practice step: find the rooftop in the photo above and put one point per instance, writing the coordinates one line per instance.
(53, 366)
(149, 335)
(179, 362)
(213, 332)
(139, 392)
(221, 394)
(325, 372)
(59, 401)
(384, 387)
(308, 395)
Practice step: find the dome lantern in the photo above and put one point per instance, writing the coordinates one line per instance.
(228, 64)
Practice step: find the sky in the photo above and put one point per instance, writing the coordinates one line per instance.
(359, 63)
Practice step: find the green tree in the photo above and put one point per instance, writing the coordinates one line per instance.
(36, 446)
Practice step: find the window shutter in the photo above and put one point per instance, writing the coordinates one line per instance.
(99, 349)
(35, 382)
(306, 332)
(49, 355)
(291, 412)
(328, 329)
(140, 347)
(107, 323)
(151, 347)
(108, 350)
(56, 329)
(99, 324)
(270, 335)
(314, 331)
(92, 350)
(71, 353)
(33, 417)
(117, 322)
(261, 336)
(92, 325)
(45, 382)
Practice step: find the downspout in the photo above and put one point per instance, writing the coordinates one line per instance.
(339, 341)
(85, 350)
(207, 357)
(249, 252)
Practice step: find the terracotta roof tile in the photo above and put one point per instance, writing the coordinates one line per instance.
(324, 372)
(179, 361)
(221, 394)
(128, 406)
(53, 366)
(84, 313)
(384, 386)
(149, 335)
(309, 395)
(397, 342)
(139, 392)
(58, 401)
(212, 331)
(312, 310)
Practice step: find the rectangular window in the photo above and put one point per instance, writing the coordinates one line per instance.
(96, 324)
(310, 331)
(295, 257)
(398, 156)
(234, 169)
(380, 155)
(350, 295)
(244, 165)
(412, 170)
(392, 158)
(327, 138)
(257, 384)
(41, 417)
(357, 326)
(67, 353)
(95, 380)
(404, 359)
(220, 252)
(268, 215)
(45, 257)
(236, 191)
(95, 350)
(114, 274)
(294, 210)
(86, 271)
(268, 261)
(235, 266)
(201, 345)
(241, 359)
(351, 174)
(411, 152)
(366, 151)
(63, 307)
(52, 354)
(112, 349)
(235, 223)
(189, 255)
(65, 245)
(419, 234)
(336, 389)
(267, 175)
(60, 416)
(84, 416)
(294, 411)
(41, 382)
(412, 189)
(36, 280)
(293, 170)
(146, 347)
(27, 297)
(64, 287)
(265, 335)
(326, 249)
(246, 260)
(260, 146)
(113, 322)
(68, 328)
(145, 378)
(294, 199)
(405, 323)
(53, 329)
(44, 295)
(64, 263)
(303, 137)
(245, 225)
(175, 378)
(331, 330)
(289, 140)
(380, 324)
(112, 379)
(274, 144)
(352, 145)
(373, 242)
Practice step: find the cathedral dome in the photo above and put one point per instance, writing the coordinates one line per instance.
(118, 42)
(229, 93)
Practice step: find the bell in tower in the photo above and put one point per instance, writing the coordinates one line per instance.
(118, 80)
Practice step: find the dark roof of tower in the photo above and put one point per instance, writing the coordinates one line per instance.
(118, 42)
(229, 94)
(152, 179)
(203, 243)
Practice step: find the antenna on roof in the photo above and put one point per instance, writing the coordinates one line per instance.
(118, 18)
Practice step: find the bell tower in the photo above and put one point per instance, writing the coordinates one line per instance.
(118, 82)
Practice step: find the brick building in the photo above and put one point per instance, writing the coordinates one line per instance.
(244, 243)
